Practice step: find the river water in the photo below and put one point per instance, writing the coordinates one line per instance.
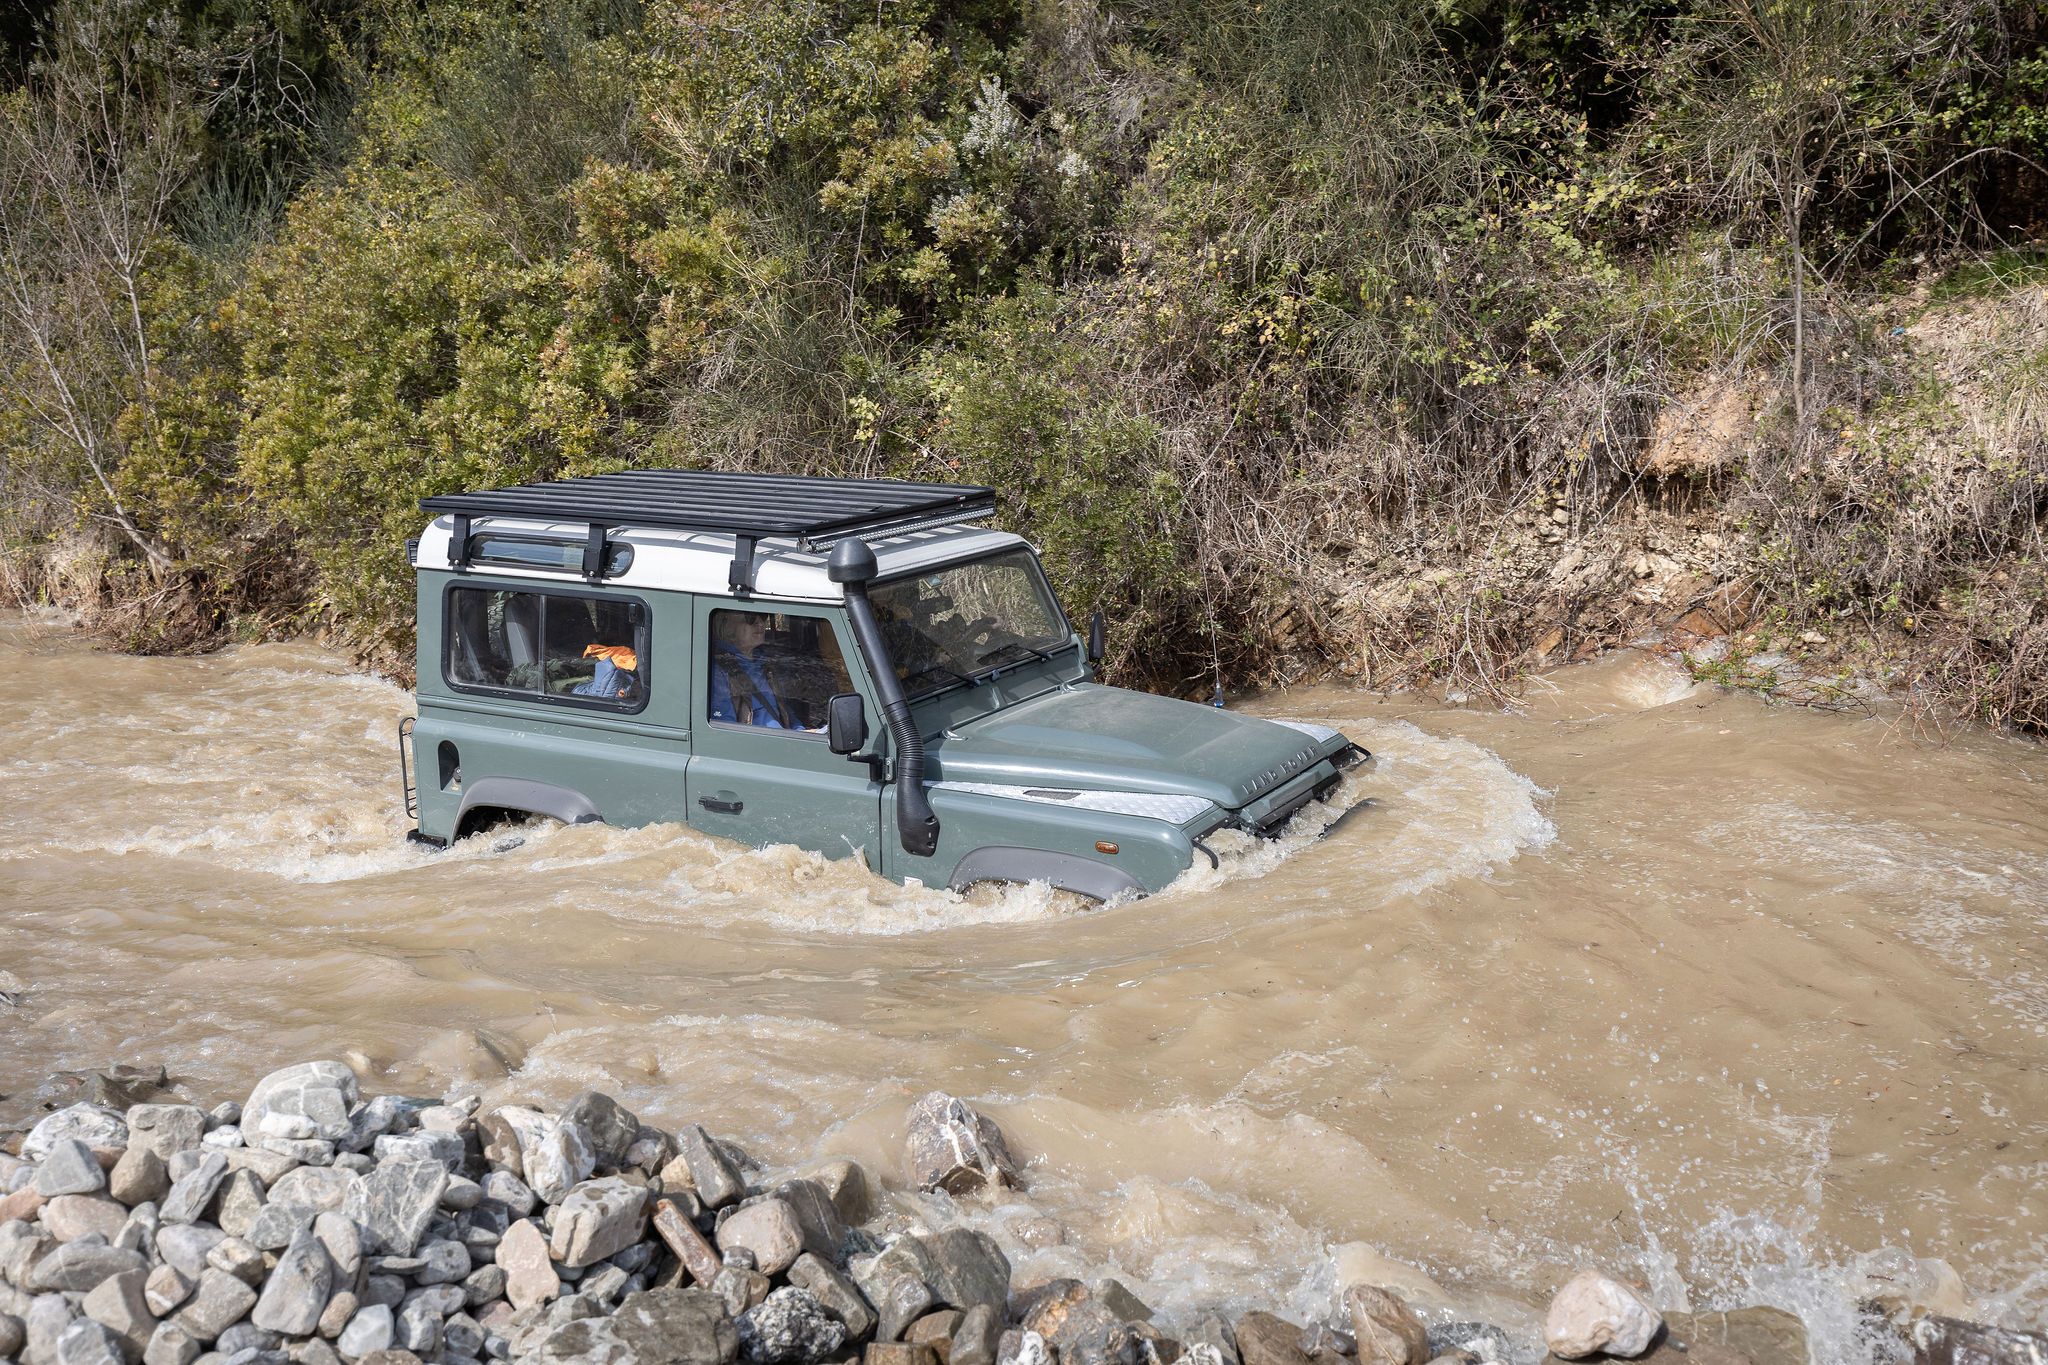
(1747, 1003)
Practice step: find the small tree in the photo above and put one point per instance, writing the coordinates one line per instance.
(93, 149)
(1795, 106)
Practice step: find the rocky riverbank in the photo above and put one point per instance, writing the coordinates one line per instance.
(308, 1225)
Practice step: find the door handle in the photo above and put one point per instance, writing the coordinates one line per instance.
(712, 803)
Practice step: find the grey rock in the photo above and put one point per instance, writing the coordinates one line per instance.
(371, 1329)
(139, 1177)
(676, 1327)
(166, 1288)
(740, 1257)
(976, 1336)
(268, 1166)
(239, 1259)
(71, 1216)
(21, 1246)
(336, 1315)
(139, 1232)
(388, 1290)
(246, 1336)
(311, 1151)
(48, 1317)
(119, 1305)
(767, 1229)
(894, 1282)
(394, 1204)
(713, 1174)
(13, 1335)
(313, 1352)
(634, 1258)
(461, 1336)
(185, 1246)
(1113, 1295)
(445, 1262)
(789, 1327)
(239, 1201)
(1480, 1340)
(322, 1092)
(92, 1124)
(296, 1292)
(190, 1196)
(166, 1129)
(445, 1148)
(839, 1295)
(485, 1284)
(847, 1182)
(440, 1299)
(219, 1302)
(69, 1168)
(178, 1165)
(274, 1226)
(597, 1219)
(508, 1189)
(419, 1328)
(967, 1268)
(740, 1288)
(604, 1284)
(462, 1194)
(954, 1148)
(343, 1242)
(78, 1267)
(824, 1232)
(221, 1140)
(558, 1162)
(1079, 1329)
(609, 1128)
(170, 1344)
(319, 1188)
(85, 1342)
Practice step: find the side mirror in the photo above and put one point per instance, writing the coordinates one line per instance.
(1097, 646)
(846, 723)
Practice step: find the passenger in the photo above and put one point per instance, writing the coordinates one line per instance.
(741, 689)
(618, 672)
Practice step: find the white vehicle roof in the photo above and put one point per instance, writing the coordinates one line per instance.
(701, 561)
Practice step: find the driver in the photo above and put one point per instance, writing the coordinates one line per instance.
(742, 689)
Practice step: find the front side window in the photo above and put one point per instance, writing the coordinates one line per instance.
(557, 645)
(966, 620)
(773, 670)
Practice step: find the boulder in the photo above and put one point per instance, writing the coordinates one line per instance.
(559, 1162)
(713, 1174)
(191, 1194)
(219, 1302)
(598, 1219)
(609, 1129)
(371, 1329)
(530, 1276)
(1386, 1328)
(789, 1327)
(69, 1168)
(166, 1129)
(296, 1292)
(170, 1344)
(320, 1188)
(322, 1093)
(839, 1295)
(769, 1230)
(953, 1148)
(394, 1204)
(79, 1267)
(966, 1268)
(92, 1124)
(1263, 1339)
(85, 1342)
(1594, 1314)
(139, 1177)
(71, 1216)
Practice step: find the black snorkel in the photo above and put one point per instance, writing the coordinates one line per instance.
(852, 566)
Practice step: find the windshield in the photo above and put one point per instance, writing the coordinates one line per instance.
(964, 620)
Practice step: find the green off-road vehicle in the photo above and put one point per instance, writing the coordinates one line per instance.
(663, 645)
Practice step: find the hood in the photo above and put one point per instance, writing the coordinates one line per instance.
(1096, 738)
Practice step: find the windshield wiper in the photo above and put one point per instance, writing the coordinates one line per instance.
(959, 680)
(1014, 644)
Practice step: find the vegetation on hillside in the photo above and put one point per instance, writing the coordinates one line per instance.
(1289, 328)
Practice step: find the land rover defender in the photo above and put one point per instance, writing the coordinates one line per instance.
(852, 666)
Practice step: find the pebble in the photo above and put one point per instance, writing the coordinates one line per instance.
(1595, 1313)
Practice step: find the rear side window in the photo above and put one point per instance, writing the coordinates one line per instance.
(558, 646)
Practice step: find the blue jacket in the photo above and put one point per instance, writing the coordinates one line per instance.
(769, 708)
(609, 681)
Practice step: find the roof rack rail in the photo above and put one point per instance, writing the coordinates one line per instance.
(816, 513)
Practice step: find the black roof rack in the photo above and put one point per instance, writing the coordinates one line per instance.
(815, 512)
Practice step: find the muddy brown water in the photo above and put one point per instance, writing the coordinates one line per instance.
(1747, 1003)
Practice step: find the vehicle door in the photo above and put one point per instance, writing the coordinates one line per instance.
(760, 769)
